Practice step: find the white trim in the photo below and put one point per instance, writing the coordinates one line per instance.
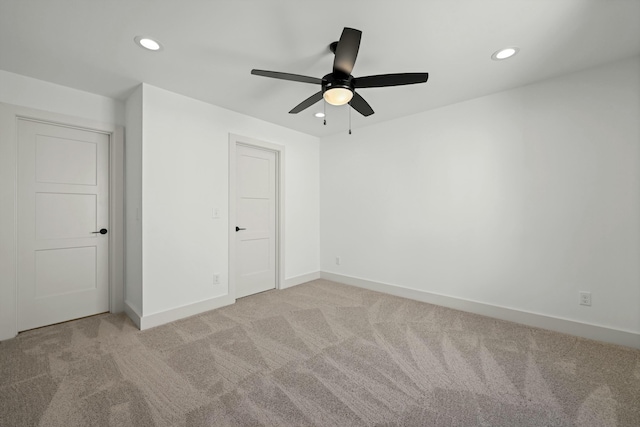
(9, 114)
(298, 280)
(133, 312)
(234, 140)
(178, 313)
(566, 326)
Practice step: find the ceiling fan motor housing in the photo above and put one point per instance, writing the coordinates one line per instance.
(331, 81)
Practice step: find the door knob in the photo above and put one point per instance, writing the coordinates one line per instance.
(238, 228)
(102, 231)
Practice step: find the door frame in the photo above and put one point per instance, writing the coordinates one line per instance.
(279, 150)
(9, 116)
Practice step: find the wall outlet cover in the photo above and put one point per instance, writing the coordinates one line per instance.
(585, 298)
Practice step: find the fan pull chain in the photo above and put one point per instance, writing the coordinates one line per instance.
(324, 111)
(349, 119)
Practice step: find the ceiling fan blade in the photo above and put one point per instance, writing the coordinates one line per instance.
(360, 105)
(307, 103)
(347, 50)
(383, 80)
(286, 76)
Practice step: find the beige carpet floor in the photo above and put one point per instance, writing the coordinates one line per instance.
(318, 354)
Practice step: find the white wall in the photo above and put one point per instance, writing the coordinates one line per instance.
(185, 174)
(519, 199)
(34, 94)
(133, 202)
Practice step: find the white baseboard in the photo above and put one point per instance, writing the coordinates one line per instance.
(157, 319)
(298, 280)
(133, 312)
(566, 326)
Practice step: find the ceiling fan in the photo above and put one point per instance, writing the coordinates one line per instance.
(339, 86)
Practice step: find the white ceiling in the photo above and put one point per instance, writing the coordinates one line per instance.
(211, 46)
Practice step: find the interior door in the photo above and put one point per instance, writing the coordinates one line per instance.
(256, 194)
(63, 203)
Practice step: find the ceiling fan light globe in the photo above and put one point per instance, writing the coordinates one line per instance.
(338, 96)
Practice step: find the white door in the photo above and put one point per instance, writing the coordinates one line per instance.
(63, 200)
(256, 194)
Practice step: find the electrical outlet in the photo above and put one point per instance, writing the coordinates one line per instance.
(337, 260)
(585, 298)
(216, 279)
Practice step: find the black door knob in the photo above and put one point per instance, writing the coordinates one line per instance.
(238, 228)
(102, 231)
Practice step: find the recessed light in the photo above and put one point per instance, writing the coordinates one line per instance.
(505, 53)
(319, 115)
(147, 43)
